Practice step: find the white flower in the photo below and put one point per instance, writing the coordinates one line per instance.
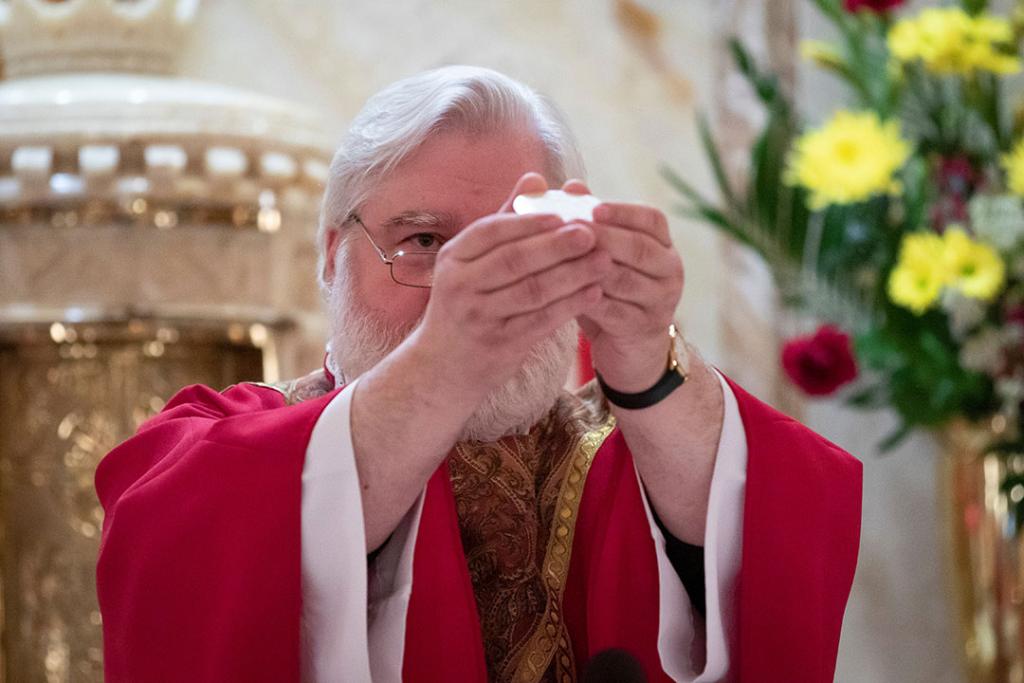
(1010, 391)
(964, 312)
(997, 219)
(984, 351)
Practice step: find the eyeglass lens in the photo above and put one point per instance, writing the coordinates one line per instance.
(414, 268)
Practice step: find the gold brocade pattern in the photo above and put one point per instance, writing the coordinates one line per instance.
(63, 405)
(517, 501)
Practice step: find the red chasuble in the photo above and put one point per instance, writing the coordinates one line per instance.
(199, 575)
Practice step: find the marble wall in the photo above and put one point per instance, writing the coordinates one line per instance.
(631, 75)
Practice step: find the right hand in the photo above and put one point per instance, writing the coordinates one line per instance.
(503, 284)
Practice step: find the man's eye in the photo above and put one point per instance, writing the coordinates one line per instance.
(424, 241)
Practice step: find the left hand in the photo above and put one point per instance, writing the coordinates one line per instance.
(628, 328)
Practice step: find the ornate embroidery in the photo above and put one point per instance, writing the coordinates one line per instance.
(517, 501)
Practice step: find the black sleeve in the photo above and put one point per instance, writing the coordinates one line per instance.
(688, 561)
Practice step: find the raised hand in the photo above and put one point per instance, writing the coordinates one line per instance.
(628, 327)
(506, 282)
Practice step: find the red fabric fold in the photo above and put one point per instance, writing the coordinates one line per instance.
(199, 575)
(199, 569)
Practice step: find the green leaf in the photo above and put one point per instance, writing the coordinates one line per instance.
(711, 215)
(681, 186)
(895, 438)
(830, 8)
(878, 351)
(766, 87)
(974, 6)
(711, 149)
(870, 397)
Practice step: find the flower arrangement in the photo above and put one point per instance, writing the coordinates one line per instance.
(899, 221)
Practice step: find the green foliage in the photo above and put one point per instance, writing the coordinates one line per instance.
(917, 372)
(974, 6)
(864, 57)
(834, 263)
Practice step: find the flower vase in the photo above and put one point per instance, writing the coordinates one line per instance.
(985, 551)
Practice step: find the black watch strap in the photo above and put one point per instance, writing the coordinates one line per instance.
(671, 380)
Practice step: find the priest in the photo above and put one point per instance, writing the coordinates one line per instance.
(432, 504)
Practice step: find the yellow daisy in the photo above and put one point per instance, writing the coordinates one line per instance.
(947, 40)
(1013, 164)
(853, 157)
(920, 274)
(974, 268)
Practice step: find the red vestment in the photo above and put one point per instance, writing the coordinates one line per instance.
(199, 570)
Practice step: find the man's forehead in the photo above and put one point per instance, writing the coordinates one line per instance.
(454, 178)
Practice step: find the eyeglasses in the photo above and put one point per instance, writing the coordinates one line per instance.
(408, 268)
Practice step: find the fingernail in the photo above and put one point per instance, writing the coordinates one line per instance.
(580, 233)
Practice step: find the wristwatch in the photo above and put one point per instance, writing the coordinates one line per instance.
(676, 374)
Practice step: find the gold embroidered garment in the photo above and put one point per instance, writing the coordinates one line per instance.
(517, 501)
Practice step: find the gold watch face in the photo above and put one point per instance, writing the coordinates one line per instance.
(678, 358)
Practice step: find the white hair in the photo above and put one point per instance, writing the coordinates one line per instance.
(398, 120)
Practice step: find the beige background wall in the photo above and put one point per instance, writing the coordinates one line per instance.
(630, 76)
(628, 82)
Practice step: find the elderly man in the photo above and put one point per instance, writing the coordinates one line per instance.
(433, 505)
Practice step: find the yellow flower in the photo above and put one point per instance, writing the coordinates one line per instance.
(920, 275)
(947, 40)
(929, 263)
(851, 158)
(974, 268)
(1013, 164)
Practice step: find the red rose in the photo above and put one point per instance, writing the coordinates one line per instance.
(820, 363)
(876, 6)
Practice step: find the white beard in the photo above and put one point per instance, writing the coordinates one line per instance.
(359, 340)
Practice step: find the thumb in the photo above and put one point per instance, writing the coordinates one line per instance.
(529, 183)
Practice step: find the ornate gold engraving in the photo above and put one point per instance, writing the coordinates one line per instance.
(69, 392)
(553, 636)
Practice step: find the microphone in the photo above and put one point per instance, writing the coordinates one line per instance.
(613, 665)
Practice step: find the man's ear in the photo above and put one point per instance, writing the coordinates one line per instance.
(330, 253)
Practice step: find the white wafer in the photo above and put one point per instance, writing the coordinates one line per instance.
(568, 206)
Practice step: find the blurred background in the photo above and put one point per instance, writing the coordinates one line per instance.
(160, 170)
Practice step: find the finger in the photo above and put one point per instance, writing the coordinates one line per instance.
(637, 250)
(629, 285)
(640, 217)
(575, 186)
(528, 183)
(539, 290)
(542, 322)
(489, 232)
(512, 261)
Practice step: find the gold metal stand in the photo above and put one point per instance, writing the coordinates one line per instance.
(986, 555)
(69, 392)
